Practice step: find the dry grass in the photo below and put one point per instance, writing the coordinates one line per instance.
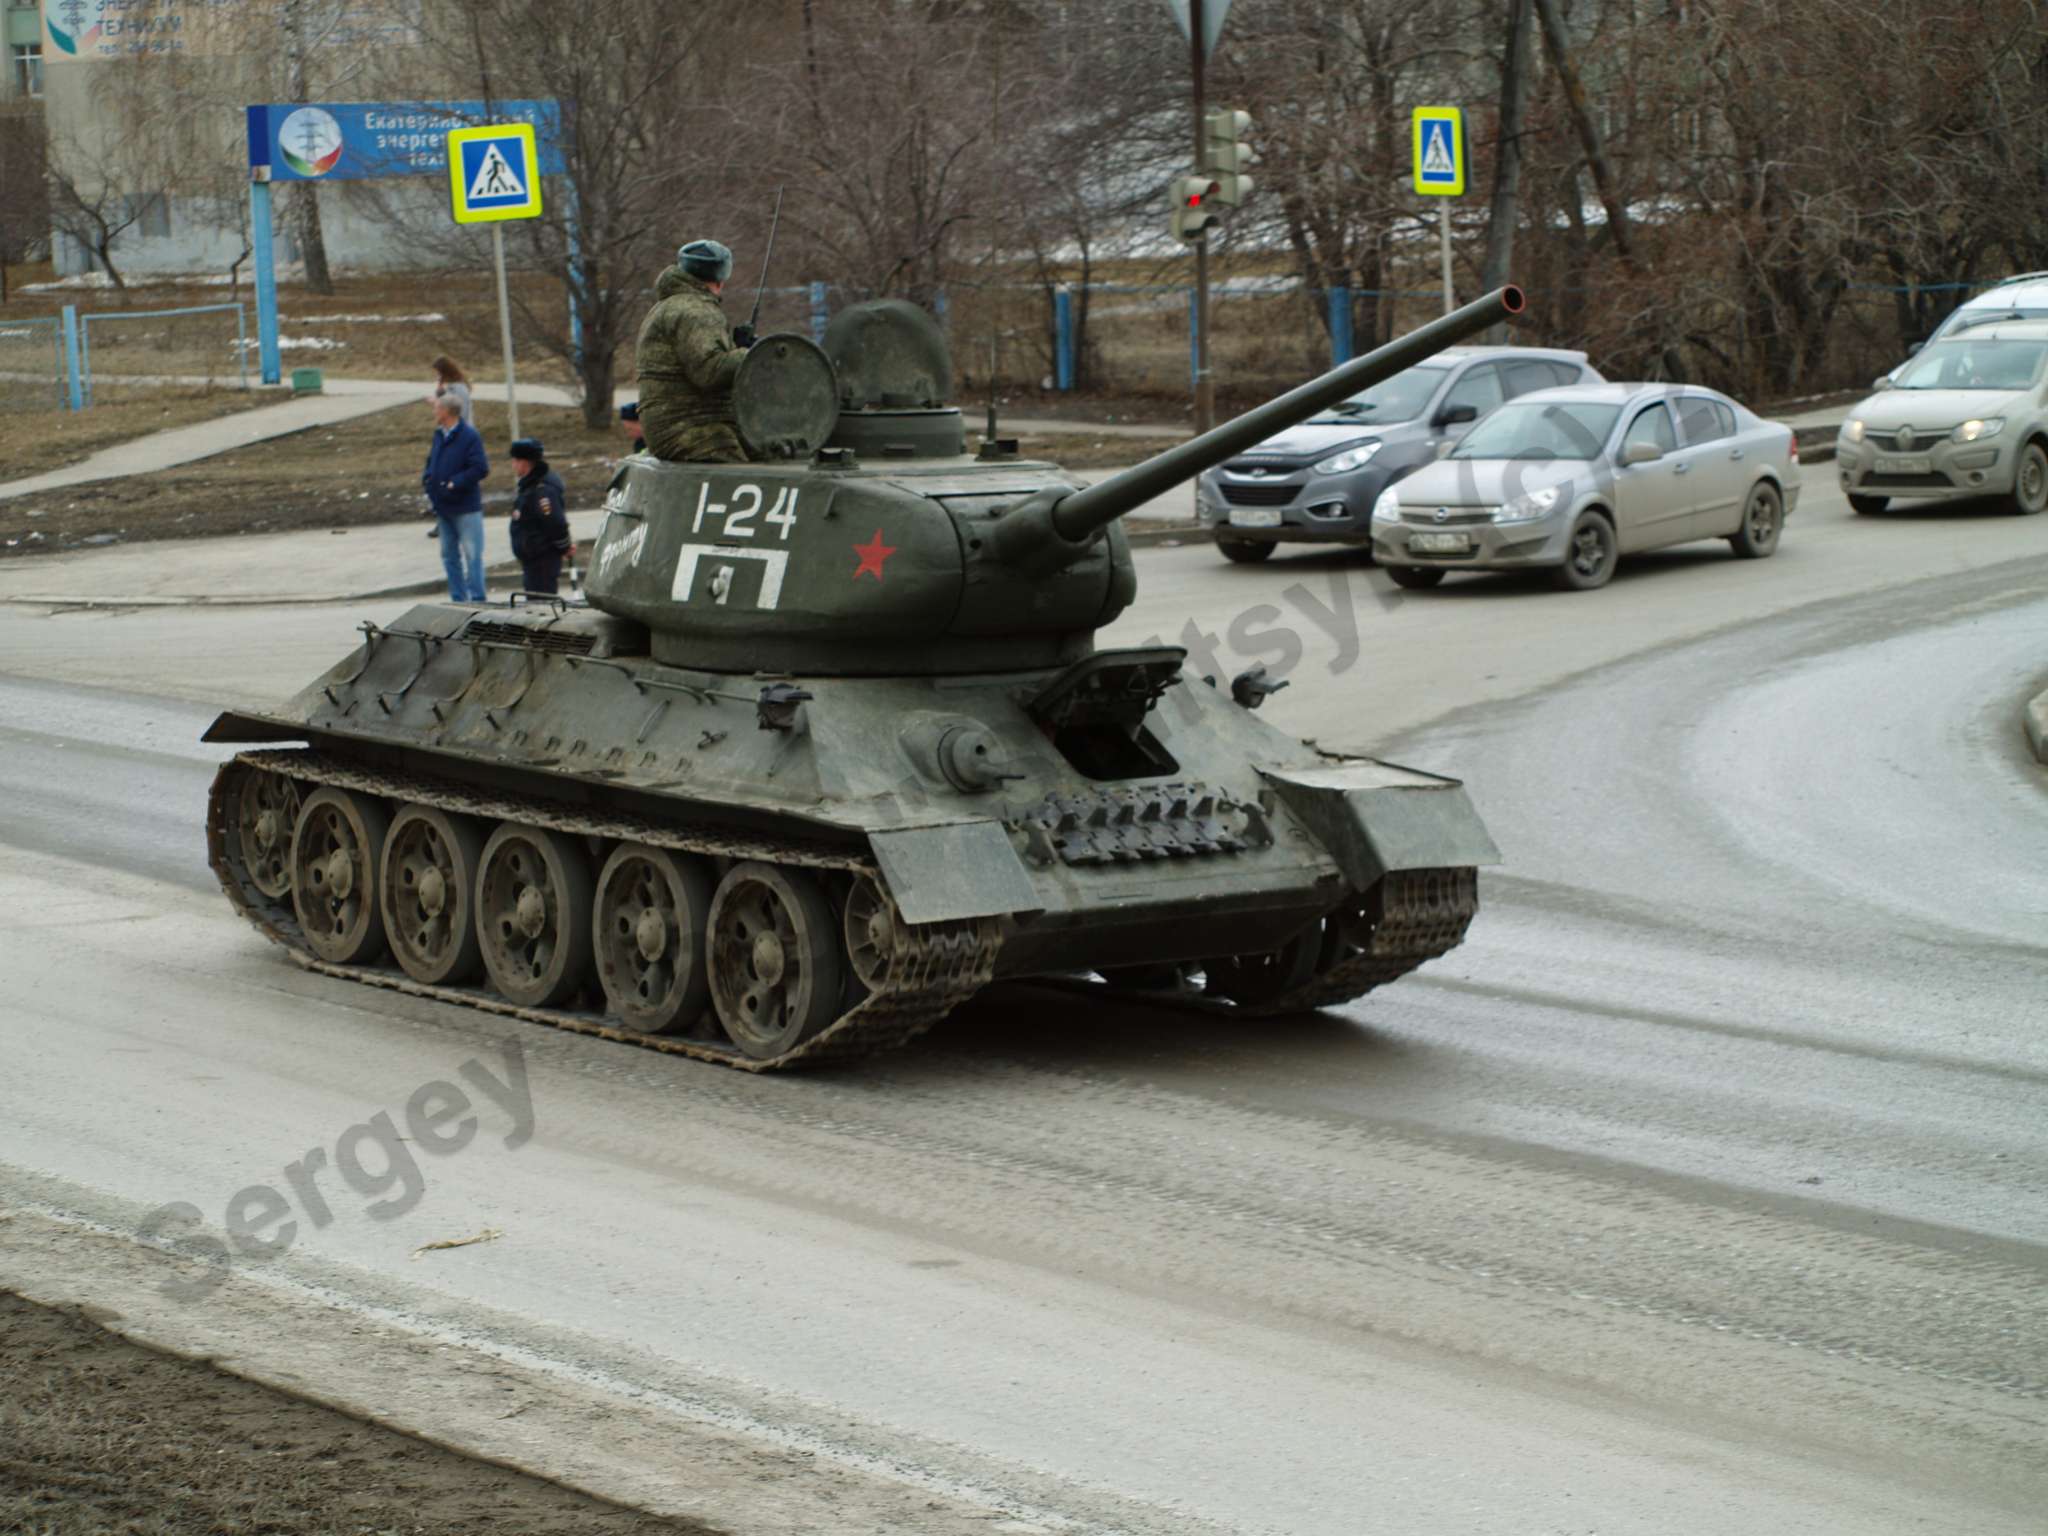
(32, 443)
(99, 1437)
(363, 471)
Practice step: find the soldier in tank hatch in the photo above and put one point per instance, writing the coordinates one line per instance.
(687, 359)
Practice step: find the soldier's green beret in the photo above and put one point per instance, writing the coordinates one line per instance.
(706, 259)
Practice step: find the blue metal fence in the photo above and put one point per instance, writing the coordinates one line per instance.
(32, 376)
(162, 352)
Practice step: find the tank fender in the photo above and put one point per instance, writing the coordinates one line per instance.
(1375, 818)
(953, 870)
(234, 726)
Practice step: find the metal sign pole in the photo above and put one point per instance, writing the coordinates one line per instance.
(505, 326)
(1443, 230)
(1205, 388)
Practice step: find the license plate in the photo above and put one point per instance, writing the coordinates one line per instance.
(1919, 464)
(1440, 543)
(1255, 517)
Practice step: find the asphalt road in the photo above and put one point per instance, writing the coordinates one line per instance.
(1705, 1189)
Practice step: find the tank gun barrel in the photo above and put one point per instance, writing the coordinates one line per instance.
(1076, 516)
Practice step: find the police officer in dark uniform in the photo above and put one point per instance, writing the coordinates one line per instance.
(540, 518)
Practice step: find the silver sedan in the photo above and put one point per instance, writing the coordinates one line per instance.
(1573, 478)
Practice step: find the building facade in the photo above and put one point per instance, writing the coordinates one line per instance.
(22, 23)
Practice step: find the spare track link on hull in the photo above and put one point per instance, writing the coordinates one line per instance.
(941, 966)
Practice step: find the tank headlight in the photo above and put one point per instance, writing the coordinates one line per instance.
(1388, 508)
(1350, 458)
(1970, 431)
(1852, 429)
(1526, 509)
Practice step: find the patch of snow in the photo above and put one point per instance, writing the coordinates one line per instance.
(81, 280)
(362, 319)
(298, 343)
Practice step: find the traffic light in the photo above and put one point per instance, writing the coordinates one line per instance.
(1225, 154)
(1194, 199)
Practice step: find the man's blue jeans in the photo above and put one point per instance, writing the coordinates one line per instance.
(462, 555)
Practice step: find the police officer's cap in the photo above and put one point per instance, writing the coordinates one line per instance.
(706, 259)
(527, 448)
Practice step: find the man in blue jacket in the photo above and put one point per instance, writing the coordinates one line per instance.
(456, 466)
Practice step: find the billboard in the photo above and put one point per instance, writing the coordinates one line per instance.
(87, 31)
(357, 140)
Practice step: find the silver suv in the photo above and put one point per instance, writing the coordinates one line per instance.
(1966, 417)
(1317, 483)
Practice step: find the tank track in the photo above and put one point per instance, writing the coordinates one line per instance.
(939, 966)
(1420, 914)
(1412, 917)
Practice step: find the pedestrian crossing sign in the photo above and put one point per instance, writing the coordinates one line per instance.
(494, 173)
(1439, 151)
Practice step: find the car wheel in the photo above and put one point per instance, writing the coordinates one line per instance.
(1415, 578)
(1589, 554)
(1763, 519)
(1866, 506)
(2030, 480)
(1244, 551)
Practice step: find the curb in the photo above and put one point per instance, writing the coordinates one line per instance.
(1815, 445)
(2034, 721)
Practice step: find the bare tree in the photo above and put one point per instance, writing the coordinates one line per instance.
(24, 190)
(88, 200)
(1504, 206)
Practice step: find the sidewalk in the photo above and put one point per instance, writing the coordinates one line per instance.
(184, 445)
(343, 400)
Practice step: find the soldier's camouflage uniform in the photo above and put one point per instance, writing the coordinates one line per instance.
(687, 362)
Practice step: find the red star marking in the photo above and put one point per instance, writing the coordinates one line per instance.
(872, 554)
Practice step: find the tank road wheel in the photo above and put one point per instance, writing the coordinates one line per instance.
(776, 971)
(533, 893)
(430, 864)
(336, 846)
(1254, 980)
(266, 811)
(874, 932)
(648, 927)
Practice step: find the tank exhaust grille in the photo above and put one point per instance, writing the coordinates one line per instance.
(564, 642)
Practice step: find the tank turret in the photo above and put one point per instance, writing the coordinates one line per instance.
(893, 558)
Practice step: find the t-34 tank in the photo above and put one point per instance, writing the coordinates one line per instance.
(831, 749)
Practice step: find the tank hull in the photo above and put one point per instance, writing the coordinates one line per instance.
(1000, 836)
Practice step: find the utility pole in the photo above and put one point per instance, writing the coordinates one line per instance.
(1205, 389)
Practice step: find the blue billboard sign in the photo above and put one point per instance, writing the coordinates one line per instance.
(357, 140)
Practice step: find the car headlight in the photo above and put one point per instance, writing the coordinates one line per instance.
(1350, 458)
(1524, 509)
(1388, 508)
(1970, 431)
(1852, 429)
